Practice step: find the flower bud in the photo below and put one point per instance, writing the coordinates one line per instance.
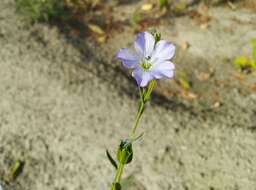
(157, 35)
(125, 153)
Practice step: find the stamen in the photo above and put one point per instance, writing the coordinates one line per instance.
(146, 65)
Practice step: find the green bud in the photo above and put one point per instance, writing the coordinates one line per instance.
(125, 153)
(156, 34)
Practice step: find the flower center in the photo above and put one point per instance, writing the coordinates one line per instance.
(146, 64)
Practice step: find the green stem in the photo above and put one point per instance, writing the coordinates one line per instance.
(119, 173)
(138, 117)
(118, 176)
(144, 97)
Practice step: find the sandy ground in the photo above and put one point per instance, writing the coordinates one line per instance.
(62, 105)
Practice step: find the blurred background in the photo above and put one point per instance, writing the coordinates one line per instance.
(65, 99)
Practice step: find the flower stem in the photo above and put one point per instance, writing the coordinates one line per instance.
(144, 97)
(138, 117)
(119, 173)
(118, 176)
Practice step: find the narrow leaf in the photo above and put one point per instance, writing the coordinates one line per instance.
(112, 161)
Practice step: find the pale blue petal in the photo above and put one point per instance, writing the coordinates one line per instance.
(164, 69)
(128, 58)
(142, 77)
(163, 51)
(144, 44)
